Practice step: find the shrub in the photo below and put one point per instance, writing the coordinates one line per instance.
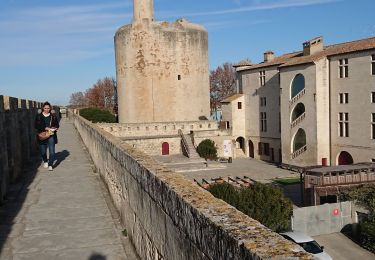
(96, 115)
(207, 149)
(262, 202)
(367, 235)
(364, 196)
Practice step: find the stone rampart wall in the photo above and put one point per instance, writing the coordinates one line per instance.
(154, 146)
(157, 129)
(17, 138)
(169, 217)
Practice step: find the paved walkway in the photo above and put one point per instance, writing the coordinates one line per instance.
(254, 169)
(63, 214)
(339, 247)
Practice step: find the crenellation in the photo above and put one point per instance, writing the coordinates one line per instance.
(17, 137)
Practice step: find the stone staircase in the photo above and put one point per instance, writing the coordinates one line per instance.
(190, 146)
(239, 153)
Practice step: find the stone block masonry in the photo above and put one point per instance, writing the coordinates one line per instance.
(169, 217)
(17, 138)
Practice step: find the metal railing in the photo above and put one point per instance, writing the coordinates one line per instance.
(185, 146)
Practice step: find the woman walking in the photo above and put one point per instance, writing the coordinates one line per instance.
(46, 121)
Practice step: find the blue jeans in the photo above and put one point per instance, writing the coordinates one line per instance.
(51, 148)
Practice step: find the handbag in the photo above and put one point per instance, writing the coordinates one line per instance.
(45, 134)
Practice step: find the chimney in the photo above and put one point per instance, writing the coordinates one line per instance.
(313, 46)
(268, 56)
(143, 10)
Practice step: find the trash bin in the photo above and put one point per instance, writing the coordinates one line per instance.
(230, 160)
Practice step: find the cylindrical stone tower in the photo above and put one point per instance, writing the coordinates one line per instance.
(161, 69)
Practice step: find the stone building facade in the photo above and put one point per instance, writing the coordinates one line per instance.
(161, 69)
(311, 107)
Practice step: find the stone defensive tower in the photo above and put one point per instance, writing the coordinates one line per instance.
(161, 69)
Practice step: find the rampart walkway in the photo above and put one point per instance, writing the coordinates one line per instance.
(64, 214)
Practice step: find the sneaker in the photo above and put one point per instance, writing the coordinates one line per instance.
(50, 168)
(45, 165)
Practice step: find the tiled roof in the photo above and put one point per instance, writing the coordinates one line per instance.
(231, 98)
(296, 58)
(276, 61)
(242, 63)
(336, 49)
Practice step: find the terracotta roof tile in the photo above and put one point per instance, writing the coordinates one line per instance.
(276, 61)
(297, 58)
(336, 49)
(242, 63)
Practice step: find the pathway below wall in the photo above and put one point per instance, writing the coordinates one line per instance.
(63, 214)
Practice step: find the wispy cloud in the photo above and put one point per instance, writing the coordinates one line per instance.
(60, 34)
(215, 25)
(255, 7)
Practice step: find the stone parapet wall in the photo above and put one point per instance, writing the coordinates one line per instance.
(169, 217)
(157, 129)
(17, 138)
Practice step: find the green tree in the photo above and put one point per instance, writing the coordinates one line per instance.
(265, 203)
(364, 196)
(96, 115)
(207, 149)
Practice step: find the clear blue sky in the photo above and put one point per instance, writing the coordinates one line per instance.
(50, 49)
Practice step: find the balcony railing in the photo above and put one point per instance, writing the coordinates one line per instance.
(297, 97)
(298, 120)
(299, 151)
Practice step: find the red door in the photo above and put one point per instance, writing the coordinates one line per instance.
(165, 148)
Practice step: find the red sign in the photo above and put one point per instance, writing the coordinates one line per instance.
(336, 212)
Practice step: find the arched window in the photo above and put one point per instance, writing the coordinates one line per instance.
(297, 111)
(299, 140)
(344, 158)
(298, 84)
(240, 142)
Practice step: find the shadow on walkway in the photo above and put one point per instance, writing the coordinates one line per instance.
(14, 200)
(61, 156)
(97, 257)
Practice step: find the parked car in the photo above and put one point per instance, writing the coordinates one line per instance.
(307, 243)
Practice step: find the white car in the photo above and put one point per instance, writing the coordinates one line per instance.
(307, 243)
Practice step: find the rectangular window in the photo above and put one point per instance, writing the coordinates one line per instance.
(263, 102)
(343, 68)
(343, 125)
(262, 77)
(372, 97)
(266, 149)
(259, 148)
(344, 98)
(239, 105)
(263, 121)
(373, 126)
(373, 64)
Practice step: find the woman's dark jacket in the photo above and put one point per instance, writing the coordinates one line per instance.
(40, 126)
